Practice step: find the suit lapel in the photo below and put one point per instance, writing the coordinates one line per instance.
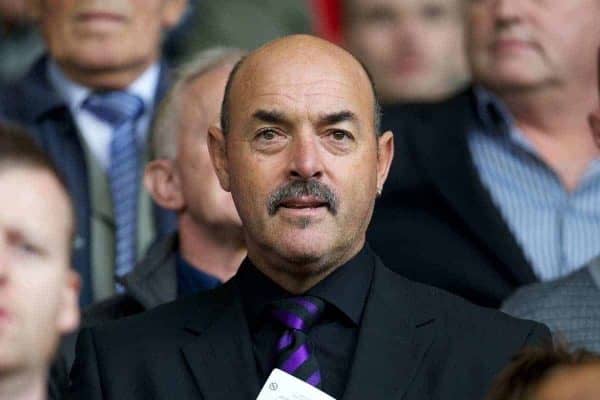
(392, 341)
(222, 362)
(444, 155)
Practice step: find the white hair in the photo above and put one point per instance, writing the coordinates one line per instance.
(165, 126)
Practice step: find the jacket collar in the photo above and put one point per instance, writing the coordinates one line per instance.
(394, 335)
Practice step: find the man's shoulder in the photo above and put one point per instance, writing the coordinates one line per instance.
(458, 316)
(542, 299)
(166, 320)
(114, 307)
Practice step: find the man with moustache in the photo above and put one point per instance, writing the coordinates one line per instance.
(89, 102)
(38, 288)
(300, 151)
(499, 186)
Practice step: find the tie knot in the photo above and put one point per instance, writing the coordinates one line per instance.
(115, 107)
(299, 313)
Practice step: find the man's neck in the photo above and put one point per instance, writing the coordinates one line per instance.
(29, 386)
(297, 278)
(555, 122)
(217, 252)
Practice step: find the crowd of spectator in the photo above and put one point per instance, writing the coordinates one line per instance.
(198, 196)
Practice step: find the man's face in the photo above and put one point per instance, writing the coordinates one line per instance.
(300, 158)
(413, 48)
(206, 202)
(38, 291)
(516, 44)
(105, 34)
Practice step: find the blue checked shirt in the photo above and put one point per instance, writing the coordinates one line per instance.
(559, 231)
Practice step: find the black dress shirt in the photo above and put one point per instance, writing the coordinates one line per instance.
(332, 339)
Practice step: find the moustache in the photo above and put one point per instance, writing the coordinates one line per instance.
(295, 189)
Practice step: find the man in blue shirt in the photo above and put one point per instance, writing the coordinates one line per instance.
(499, 186)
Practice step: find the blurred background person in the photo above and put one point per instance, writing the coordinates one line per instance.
(208, 247)
(38, 288)
(499, 186)
(549, 374)
(569, 306)
(89, 101)
(415, 49)
(20, 43)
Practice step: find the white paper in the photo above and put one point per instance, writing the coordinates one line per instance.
(282, 386)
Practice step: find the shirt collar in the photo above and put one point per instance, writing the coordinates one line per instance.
(75, 94)
(496, 119)
(346, 289)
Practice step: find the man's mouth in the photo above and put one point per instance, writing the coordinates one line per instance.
(303, 203)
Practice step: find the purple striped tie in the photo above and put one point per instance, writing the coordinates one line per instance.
(298, 315)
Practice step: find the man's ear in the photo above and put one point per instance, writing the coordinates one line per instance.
(68, 314)
(217, 148)
(172, 12)
(163, 183)
(385, 147)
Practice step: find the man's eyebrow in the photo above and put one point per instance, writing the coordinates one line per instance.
(337, 117)
(270, 116)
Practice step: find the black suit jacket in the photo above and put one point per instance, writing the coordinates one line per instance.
(34, 103)
(435, 221)
(415, 342)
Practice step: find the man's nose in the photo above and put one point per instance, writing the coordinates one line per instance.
(306, 159)
(507, 11)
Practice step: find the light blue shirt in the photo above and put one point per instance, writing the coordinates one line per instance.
(558, 230)
(96, 132)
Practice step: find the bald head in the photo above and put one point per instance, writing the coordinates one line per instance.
(298, 54)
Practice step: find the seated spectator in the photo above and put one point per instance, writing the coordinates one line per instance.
(499, 186)
(20, 43)
(549, 374)
(89, 102)
(38, 288)
(415, 49)
(570, 306)
(208, 247)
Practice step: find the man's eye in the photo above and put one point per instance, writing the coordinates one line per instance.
(267, 134)
(340, 135)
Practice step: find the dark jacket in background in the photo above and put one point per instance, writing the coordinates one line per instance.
(34, 103)
(414, 342)
(435, 221)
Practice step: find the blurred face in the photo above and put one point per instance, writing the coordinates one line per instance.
(413, 48)
(526, 44)
(573, 383)
(206, 202)
(14, 10)
(300, 158)
(38, 296)
(92, 35)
